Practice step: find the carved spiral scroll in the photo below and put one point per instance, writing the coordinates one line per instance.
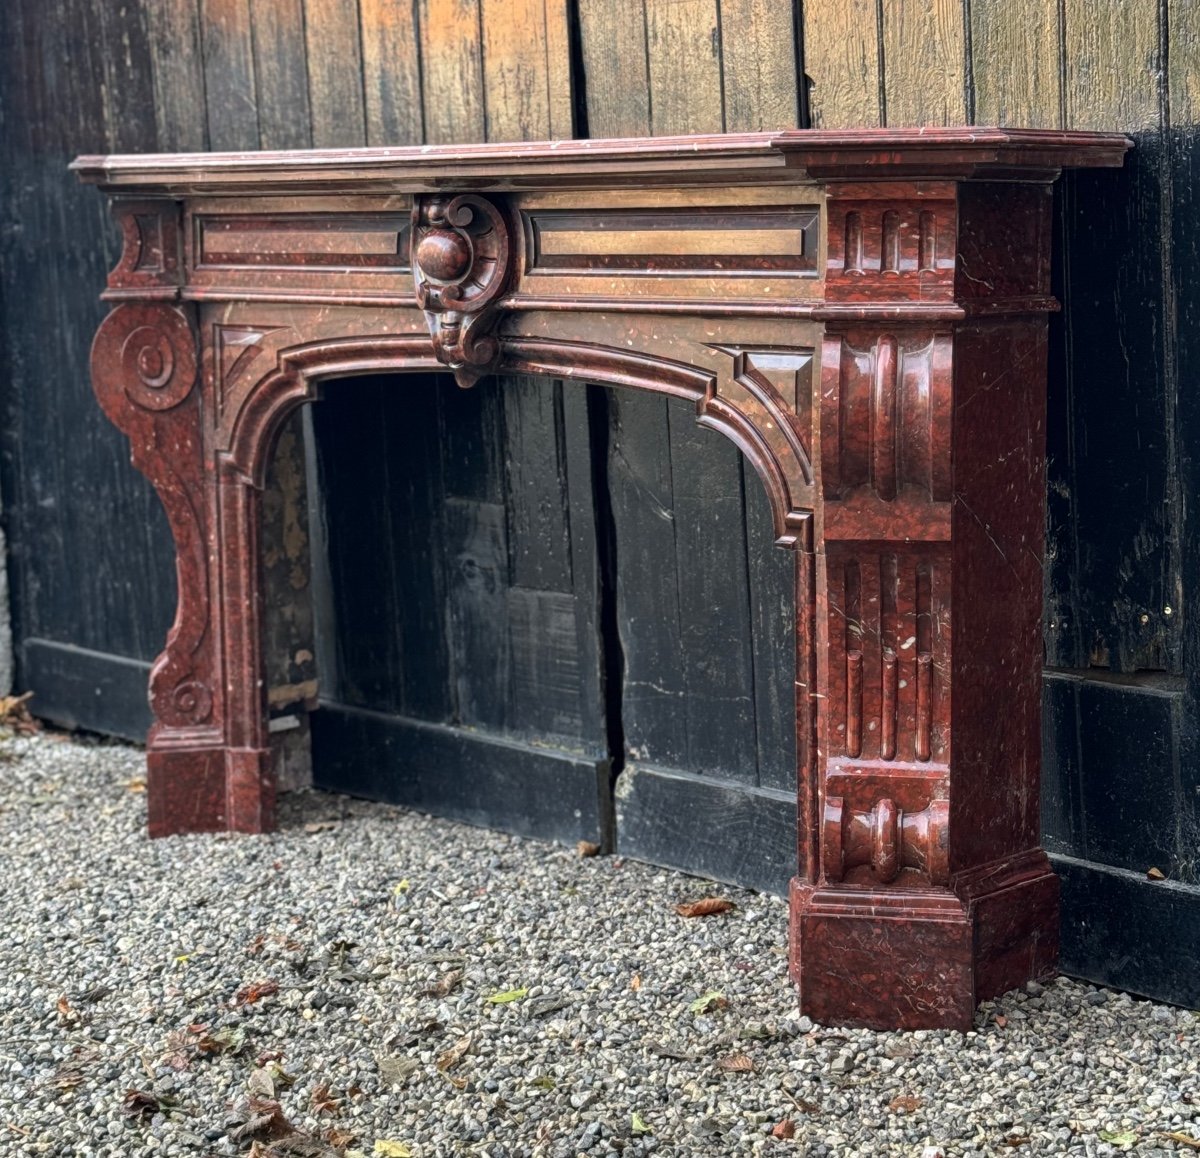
(460, 258)
(145, 353)
(144, 372)
(887, 839)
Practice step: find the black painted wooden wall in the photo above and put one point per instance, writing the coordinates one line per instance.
(502, 615)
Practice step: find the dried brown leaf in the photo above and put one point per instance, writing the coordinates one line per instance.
(262, 1118)
(736, 1063)
(338, 1137)
(445, 985)
(706, 907)
(1156, 874)
(1181, 1139)
(635, 982)
(905, 1104)
(451, 1057)
(261, 1083)
(784, 1129)
(587, 848)
(323, 1101)
(256, 991)
(139, 1104)
(14, 713)
(320, 826)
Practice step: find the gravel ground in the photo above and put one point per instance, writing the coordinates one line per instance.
(341, 986)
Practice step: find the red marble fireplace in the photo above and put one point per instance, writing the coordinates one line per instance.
(863, 314)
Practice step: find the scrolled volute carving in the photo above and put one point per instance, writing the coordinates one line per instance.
(145, 354)
(460, 260)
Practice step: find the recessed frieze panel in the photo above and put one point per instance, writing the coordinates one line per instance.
(705, 241)
(305, 240)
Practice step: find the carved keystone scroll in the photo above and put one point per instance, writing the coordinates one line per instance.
(460, 259)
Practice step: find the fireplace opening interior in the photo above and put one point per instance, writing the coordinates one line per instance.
(548, 608)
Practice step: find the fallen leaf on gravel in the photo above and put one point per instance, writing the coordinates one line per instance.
(93, 994)
(454, 1054)
(638, 1124)
(385, 1149)
(1017, 1140)
(905, 1104)
(457, 1083)
(587, 848)
(635, 982)
(507, 995)
(260, 1083)
(736, 1063)
(137, 784)
(14, 713)
(1118, 1137)
(706, 1002)
(440, 959)
(227, 1039)
(545, 1082)
(544, 1006)
(67, 1078)
(899, 1049)
(256, 991)
(261, 1118)
(445, 985)
(396, 1070)
(143, 1104)
(1181, 1139)
(65, 1012)
(674, 1052)
(339, 1137)
(708, 907)
(323, 1101)
(320, 826)
(784, 1129)
(401, 887)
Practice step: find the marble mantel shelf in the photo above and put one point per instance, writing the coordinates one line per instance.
(862, 313)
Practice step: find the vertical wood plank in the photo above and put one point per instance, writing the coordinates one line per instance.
(539, 528)
(648, 610)
(178, 62)
(1112, 58)
(526, 69)
(391, 72)
(1015, 62)
(1183, 62)
(452, 71)
(841, 56)
(477, 595)
(127, 91)
(1119, 339)
(545, 683)
(281, 72)
(758, 57)
(335, 73)
(616, 67)
(772, 574)
(924, 53)
(710, 541)
(230, 93)
(683, 42)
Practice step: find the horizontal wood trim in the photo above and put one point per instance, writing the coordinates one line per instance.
(473, 777)
(75, 687)
(715, 828)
